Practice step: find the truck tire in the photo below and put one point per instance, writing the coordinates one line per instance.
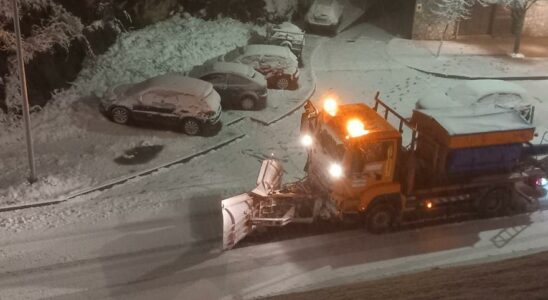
(495, 202)
(380, 218)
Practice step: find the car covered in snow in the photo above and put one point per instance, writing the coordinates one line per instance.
(170, 99)
(288, 35)
(278, 64)
(324, 14)
(492, 92)
(239, 85)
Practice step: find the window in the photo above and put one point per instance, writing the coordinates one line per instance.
(250, 60)
(166, 100)
(330, 146)
(368, 154)
(215, 79)
(237, 80)
(233, 55)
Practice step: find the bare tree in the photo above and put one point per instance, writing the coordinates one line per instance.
(451, 12)
(519, 10)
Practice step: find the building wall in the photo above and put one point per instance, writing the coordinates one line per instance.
(536, 20)
(425, 24)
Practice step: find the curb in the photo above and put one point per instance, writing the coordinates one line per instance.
(114, 182)
(463, 77)
(397, 58)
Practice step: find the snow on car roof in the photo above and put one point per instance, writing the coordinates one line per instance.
(267, 50)
(470, 91)
(478, 119)
(224, 67)
(175, 82)
(288, 27)
(436, 99)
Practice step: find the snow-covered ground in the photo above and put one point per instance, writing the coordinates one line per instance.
(78, 148)
(157, 236)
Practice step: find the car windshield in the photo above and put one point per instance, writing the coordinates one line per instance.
(139, 87)
(232, 55)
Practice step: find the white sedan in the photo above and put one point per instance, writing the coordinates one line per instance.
(481, 92)
(324, 14)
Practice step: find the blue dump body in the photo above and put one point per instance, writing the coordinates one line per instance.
(484, 159)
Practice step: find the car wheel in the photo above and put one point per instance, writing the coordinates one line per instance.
(380, 218)
(282, 83)
(120, 115)
(247, 103)
(191, 126)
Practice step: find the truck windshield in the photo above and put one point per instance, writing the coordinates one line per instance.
(330, 145)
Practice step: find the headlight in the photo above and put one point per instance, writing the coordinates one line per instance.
(542, 181)
(335, 170)
(306, 140)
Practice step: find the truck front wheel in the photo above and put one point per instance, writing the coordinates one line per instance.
(495, 202)
(380, 218)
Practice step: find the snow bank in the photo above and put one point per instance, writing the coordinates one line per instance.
(174, 45)
(281, 9)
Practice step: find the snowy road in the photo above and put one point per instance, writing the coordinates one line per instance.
(149, 260)
(158, 237)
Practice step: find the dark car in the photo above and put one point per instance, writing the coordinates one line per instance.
(278, 64)
(170, 99)
(239, 85)
(288, 35)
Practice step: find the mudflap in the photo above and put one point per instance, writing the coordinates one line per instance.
(238, 210)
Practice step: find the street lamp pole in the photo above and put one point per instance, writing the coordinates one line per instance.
(24, 92)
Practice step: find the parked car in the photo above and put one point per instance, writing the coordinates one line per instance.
(288, 35)
(170, 99)
(239, 85)
(481, 92)
(324, 14)
(278, 64)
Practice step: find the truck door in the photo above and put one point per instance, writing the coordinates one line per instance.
(371, 163)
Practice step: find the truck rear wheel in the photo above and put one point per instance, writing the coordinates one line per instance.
(495, 202)
(380, 218)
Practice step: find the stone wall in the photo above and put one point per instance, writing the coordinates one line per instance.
(536, 20)
(426, 25)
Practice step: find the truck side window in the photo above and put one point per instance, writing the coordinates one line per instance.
(370, 154)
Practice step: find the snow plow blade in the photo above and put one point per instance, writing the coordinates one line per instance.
(238, 210)
(237, 213)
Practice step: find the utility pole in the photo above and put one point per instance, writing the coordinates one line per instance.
(26, 112)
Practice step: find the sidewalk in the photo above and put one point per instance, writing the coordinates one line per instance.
(474, 58)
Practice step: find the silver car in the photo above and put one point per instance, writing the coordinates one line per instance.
(170, 99)
(491, 92)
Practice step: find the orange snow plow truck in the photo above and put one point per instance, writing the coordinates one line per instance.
(436, 164)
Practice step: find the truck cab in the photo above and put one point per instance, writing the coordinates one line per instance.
(352, 153)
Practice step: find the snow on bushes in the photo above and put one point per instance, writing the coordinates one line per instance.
(174, 45)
